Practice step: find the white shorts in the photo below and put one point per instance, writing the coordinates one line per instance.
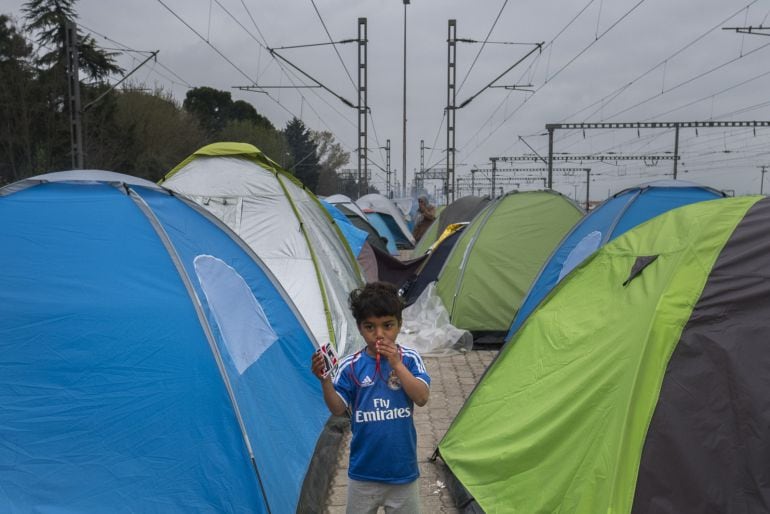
(367, 497)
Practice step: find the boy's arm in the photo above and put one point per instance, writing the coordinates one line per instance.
(334, 403)
(415, 388)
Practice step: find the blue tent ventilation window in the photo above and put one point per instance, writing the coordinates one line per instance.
(245, 330)
(584, 249)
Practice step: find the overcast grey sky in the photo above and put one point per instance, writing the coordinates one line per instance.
(620, 60)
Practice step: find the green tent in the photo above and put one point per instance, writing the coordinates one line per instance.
(498, 256)
(640, 384)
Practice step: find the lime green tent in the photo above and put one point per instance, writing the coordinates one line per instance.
(640, 383)
(498, 256)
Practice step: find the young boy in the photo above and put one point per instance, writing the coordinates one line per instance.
(379, 386)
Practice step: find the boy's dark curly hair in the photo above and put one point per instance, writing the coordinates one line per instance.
(375, 299)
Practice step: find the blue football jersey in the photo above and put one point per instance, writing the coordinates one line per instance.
(384, 443)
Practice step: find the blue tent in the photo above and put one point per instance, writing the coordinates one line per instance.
(612, 218)
(354, 236)
(148, 361)
(387, 228)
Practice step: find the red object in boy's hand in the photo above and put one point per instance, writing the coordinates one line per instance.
(328, 360)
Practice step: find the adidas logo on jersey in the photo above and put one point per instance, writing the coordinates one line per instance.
(366, 381)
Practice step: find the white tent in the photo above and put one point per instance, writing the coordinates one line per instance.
(345, 201)
(287, 228)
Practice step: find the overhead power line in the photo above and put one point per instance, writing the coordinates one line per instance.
(591, 157)
(759, 31)
(620, 90)
(342, 99)
(462, 83)
(262, 44)
(600, 36)
(105, 93)
(687, 81)
(496, 110)
(551, 127)
(538, 46)
(352, 82)
(289, 73)
(602, 103)
(549, 79)
(125, 48)
(223, 56)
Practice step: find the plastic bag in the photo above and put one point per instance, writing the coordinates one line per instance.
(426, 327)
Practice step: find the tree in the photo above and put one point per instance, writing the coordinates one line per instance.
(16, 116)
(210, 106)
(156, 134)
(46, 20)
(241, 110)
(303, 152)
(270, 141)
(104, 139)
(331, 158)
(13, 46)
(215, 109)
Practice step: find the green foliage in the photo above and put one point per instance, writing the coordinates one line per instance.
(244, 111)
(23, 117)
(304, 153)
(13, 46)
(270, 141)
(331, 157)
(102, 136)
(47, 19)
(34, 114)
(131, 131)
(97, 63)
(157, 134)
(210, 106)
(214, 109)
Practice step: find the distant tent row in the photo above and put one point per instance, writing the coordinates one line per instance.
(150, 362)
(380, 217)
(640, 382)
(357, 217)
